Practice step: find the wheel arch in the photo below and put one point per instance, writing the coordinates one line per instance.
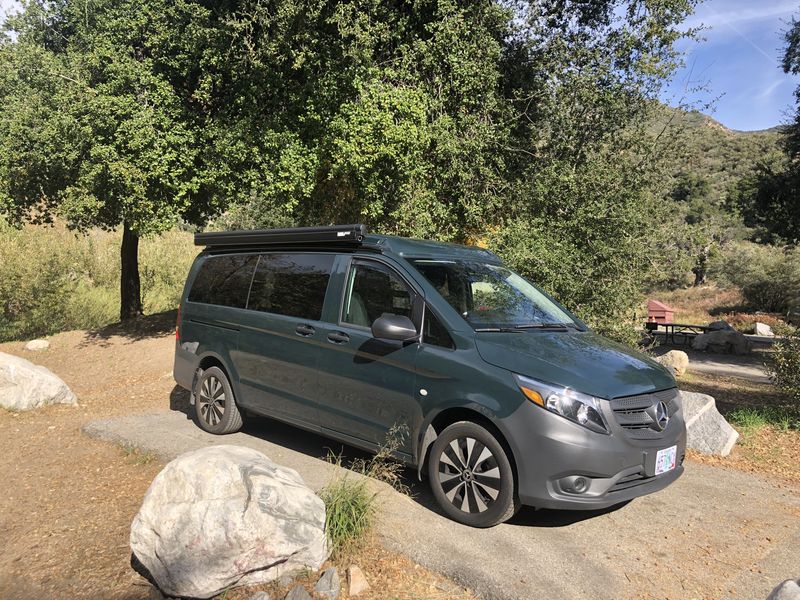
(440, 420)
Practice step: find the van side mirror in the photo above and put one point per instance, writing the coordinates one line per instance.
(393, 327)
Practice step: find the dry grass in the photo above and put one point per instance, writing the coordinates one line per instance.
(701, 305)
(390, 576)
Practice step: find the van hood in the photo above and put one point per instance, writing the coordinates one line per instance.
(581, 360)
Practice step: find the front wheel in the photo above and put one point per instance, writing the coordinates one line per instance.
(215, 409)
(471, 476)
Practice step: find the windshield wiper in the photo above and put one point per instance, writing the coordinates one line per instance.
(497, 329)
(546, 326)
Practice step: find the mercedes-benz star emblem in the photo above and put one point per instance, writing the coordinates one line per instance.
(659, 415)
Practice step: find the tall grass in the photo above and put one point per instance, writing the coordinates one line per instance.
(350, 506)
(53, 279)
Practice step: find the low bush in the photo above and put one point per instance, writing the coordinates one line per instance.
(769, 276)
(784, 367)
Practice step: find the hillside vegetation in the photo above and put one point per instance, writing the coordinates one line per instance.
(705, 149)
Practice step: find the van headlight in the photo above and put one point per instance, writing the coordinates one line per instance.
(578, 408)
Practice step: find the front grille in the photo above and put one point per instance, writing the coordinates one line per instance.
(631, 412)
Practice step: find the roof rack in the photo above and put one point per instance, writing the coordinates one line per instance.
(335, 235)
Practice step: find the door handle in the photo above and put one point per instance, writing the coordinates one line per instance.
(338, 337)
(304, 330)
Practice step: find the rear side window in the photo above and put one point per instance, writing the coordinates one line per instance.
(291, 284)
(224, 280)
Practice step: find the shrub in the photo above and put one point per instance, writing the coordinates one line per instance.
(769, 276)
(785, 365)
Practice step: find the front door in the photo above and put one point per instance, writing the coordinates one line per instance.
(366, 386)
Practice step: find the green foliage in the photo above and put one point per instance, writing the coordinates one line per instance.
(54, 280)
(437, 119)
(767, 200)
(768, 276)
(785, 366)
(583, 235)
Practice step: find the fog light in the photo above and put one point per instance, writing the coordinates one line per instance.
(575, 484)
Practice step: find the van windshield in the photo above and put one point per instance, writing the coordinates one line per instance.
(491, 297)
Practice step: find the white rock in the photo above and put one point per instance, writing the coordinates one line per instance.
(675, 360)
(356, 581)
(226, 516)
(25, 386)
(707, 431)
(764, 330)
(788, 590)
(35, 345)
(722, 341)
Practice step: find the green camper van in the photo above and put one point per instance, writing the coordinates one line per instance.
(504, 397)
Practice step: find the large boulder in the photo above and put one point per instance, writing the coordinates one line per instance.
(675, 360)
(707, 430)
(25, 386)
(788, 590)
(225, 516)
(722, 341)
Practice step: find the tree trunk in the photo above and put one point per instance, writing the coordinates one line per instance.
(130, 292)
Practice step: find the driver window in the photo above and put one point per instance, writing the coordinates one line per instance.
(373, 290)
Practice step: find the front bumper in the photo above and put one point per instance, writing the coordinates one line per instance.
(552, 452)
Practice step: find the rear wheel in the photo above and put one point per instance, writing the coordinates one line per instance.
(471, 476)
(214, 407)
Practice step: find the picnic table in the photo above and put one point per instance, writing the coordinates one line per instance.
(685, 330)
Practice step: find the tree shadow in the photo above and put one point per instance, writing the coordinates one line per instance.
(150, 326)
(317, 446)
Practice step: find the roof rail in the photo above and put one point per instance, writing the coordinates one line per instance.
(336, 235)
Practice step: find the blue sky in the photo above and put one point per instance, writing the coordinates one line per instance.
(738, 62)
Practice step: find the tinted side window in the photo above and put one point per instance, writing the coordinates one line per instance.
(224, 280)
(371, 291)
(434, 332)
(291, 284)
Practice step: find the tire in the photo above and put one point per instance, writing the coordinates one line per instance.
(480, 493)
(215, 409)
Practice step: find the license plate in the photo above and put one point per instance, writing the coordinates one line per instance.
(665, 459)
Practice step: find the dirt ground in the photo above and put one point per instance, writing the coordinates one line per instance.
(69, 500)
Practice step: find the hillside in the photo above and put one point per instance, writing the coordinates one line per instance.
(703, 147)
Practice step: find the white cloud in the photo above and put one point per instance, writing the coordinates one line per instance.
(769, 90)
(716, 14)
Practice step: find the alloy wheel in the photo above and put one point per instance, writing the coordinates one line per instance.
(212, 401)
(469, 475)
